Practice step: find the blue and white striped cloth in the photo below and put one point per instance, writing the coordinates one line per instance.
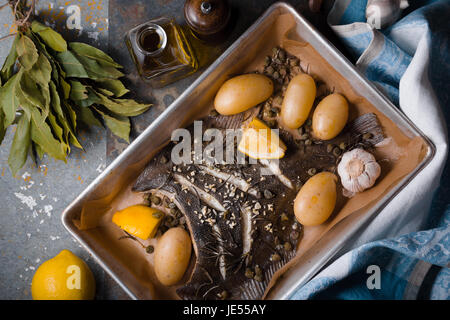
(410, 239)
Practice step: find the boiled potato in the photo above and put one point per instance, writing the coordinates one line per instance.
(330, 117)
(172, 254)
(298, 101)
(240, 93)
(316, 199)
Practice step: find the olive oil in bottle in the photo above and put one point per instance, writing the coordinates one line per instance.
(161, 51)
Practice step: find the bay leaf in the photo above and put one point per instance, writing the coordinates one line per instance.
(91, 99)
(51, 38)
(105, 92)
(73, 117)
(8, 66)
(55, 68)
(61, 115)
(114, 86)
(27, 52)
(8, 99)
(41, 74)
(123, 107)
(31, 93)
(65, 87)
(42, 135)
(85, 50)
(20, 145)
(98, 72)
(71, 65)
(77, 91)
(40, 153)
(87, 117)
(119, 126)
(41, 71)
(2, 127)
(57, 130)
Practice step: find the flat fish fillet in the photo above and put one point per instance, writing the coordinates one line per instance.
(242, 223)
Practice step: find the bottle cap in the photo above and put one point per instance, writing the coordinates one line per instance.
(207, 17)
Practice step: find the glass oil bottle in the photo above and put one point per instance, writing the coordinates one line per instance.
(161, 51)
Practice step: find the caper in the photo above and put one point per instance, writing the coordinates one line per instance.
(330, 148)
(275, 257)
(270, 70)
(214, 113)
(278, 100)
(259, 278)
(258, 270)
(308, 142)
(287, 246)
(172, 205)
(336, 152)
(174, 223)
(276, 75)
(163, 160)
(367, 136)
(268, 194)
(282, 55)
(275, 52)
(270, 114)
(294, 235)
(304, 137)
(312, 171)
(284, 217)
(167, 203)
(173, 211)
(276, 241)
(293, 62)
(249, 273)
(149, 249)
(267, 60)
(343, 146)
(275, 110)
(155, 200)
(283, 72)
(223, 295)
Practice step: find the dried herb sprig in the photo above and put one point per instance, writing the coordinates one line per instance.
(55, 85)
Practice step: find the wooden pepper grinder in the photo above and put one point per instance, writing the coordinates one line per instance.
(207, 18)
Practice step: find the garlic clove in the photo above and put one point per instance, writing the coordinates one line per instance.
(382, 13)
(358, 170)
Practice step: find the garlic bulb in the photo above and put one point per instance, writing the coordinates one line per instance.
(382, 13)
(358, 170)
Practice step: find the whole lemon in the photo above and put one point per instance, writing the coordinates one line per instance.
(64, 277)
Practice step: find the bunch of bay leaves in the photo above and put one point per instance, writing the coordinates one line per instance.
(53, 86)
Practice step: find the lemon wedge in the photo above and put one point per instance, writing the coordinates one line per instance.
(139, 220)
(260, 142)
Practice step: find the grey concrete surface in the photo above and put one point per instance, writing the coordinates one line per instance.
(32, 201)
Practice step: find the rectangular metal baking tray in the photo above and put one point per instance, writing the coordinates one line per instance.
(183, 110)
